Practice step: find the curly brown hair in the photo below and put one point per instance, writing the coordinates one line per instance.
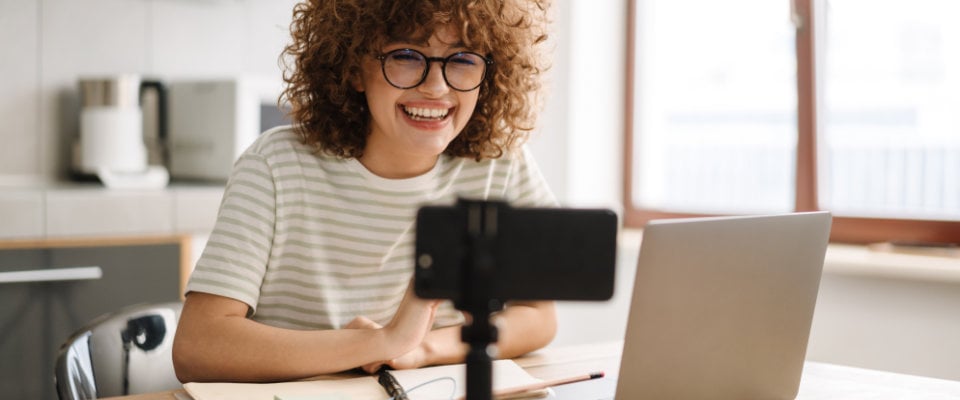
(331, 38)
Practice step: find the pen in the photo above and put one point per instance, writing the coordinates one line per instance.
(546, 384)
(391, 385)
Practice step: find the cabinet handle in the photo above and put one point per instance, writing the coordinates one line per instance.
(51, 275)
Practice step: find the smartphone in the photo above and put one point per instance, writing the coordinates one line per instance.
(512, 253)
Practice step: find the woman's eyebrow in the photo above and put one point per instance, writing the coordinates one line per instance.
(401, 41)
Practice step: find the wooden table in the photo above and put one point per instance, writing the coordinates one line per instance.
(820, 381)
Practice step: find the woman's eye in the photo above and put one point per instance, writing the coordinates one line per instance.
(406, 56)
(464, 59)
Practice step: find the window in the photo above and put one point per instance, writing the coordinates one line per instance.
(759, 106)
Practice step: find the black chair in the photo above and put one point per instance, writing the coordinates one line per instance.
(125, 352)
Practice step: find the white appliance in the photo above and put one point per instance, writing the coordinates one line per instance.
(213, 121)
(111, 143)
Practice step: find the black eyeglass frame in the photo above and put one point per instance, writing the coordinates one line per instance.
(426, 71)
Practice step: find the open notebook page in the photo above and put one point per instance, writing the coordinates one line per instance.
(354, 388)
(506, 375)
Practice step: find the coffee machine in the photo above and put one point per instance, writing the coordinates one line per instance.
(111, 145)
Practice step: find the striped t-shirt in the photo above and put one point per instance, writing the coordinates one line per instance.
(310, 241)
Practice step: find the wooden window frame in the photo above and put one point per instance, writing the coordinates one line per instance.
(845, 229)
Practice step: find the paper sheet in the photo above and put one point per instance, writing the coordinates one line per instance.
(506, 374)
(354, 388)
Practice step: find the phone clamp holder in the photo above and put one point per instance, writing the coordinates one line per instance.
(479, 254)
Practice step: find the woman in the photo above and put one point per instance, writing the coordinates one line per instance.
(397, 104)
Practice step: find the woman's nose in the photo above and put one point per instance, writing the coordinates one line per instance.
(435, 84)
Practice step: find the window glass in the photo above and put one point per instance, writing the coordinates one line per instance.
(714, 106)
(890, 109)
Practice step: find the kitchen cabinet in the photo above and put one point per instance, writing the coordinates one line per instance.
(51, 288)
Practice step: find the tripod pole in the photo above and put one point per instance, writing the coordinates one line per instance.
(478, 279)
(480, 364)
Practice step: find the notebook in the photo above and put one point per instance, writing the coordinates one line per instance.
(506, 375)
(722, 307)
(448, 382)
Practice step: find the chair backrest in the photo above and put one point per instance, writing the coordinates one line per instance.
(124, 352)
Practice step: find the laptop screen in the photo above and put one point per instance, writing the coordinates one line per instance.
(722, 307)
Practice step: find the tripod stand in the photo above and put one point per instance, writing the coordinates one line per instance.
(482, 253)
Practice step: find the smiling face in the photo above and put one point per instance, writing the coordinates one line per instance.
(412, 127)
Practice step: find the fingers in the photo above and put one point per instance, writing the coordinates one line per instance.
(433, 313)
(405, 331)
(373, 367)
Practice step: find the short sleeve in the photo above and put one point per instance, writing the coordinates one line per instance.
(234, 261)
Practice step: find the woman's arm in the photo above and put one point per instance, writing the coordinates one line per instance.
(216, 342)
(525, 327)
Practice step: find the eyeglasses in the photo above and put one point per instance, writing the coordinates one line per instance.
(408, 68)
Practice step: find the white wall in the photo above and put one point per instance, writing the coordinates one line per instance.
(904, 325)
(580, 147)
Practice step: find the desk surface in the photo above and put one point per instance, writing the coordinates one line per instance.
(820, 381)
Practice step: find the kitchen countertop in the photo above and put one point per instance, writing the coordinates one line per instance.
(83, 209)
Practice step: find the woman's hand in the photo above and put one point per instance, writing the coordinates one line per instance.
(405, 332)
(414, 318)
(413, 359)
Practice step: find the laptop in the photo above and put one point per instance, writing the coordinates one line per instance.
(721, 308)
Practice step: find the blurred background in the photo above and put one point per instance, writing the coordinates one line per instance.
(655, 108)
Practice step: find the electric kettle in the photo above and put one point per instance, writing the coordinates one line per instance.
(111, 145)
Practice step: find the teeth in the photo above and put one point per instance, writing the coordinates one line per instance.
(427, 113)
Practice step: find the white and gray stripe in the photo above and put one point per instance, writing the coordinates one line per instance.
(311, 241)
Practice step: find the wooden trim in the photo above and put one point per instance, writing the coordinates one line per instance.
(639, 217)
(631, 215)
(877, 230)
(806, 173)
(90, 241)
(183, 241)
